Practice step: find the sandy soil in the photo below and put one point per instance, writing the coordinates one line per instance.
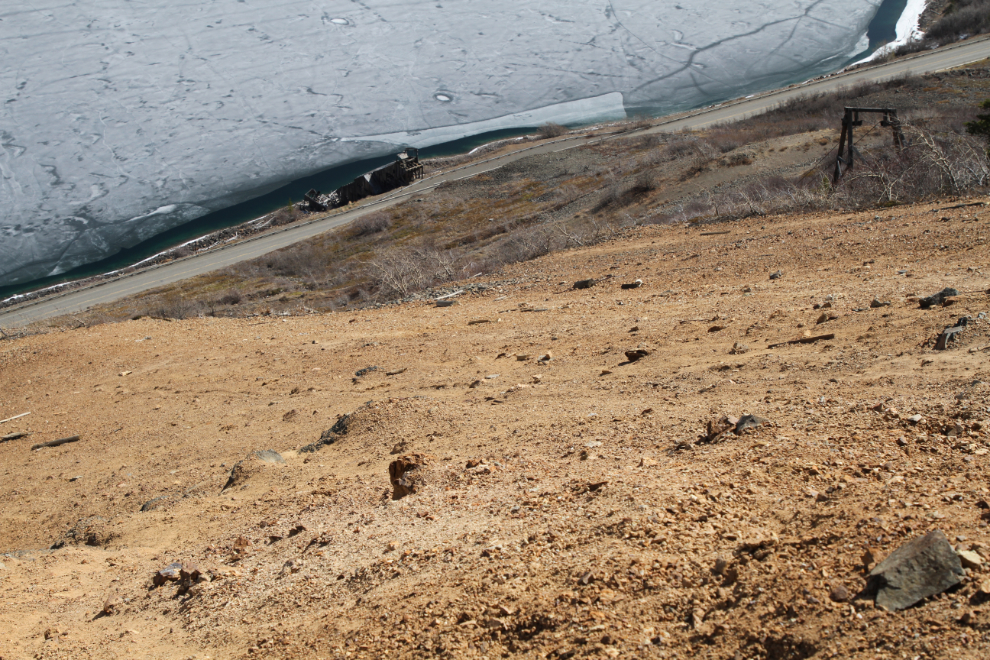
(591, 517)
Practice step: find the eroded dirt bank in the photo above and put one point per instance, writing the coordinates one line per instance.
(591, 521)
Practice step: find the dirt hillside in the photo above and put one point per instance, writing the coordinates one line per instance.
(571, 502)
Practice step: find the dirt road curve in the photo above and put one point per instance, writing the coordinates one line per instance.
(109, 291)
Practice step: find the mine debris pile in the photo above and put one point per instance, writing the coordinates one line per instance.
(404, 170)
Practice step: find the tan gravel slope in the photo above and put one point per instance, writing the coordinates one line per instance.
(570, 505)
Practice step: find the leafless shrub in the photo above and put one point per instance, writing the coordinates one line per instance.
(646, 181)
(285, 215)
(231, 297)
(174, 306)
(551, 130)
(398, 273)
(372, 223)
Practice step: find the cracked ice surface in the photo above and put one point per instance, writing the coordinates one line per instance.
(122, 119)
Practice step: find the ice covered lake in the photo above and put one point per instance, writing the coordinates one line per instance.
(123, 119)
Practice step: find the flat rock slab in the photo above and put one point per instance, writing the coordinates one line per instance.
(918, 569)
(269, 456)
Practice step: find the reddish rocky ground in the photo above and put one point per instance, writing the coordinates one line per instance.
(569, 507)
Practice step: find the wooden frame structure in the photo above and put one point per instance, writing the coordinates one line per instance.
(849, 121)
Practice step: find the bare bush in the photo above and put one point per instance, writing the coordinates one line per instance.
(285, 215)
(551, 130)
(646, 181)
(174, 306)
(373, 223)
(398, 273)
(231, 297)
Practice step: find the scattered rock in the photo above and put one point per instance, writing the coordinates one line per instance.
(154, 503)
(243, 470)
(915, 419)
(748, 422)
(739, 348)
(406, 474)
(839, 594)
(269, 456)
(721, 564)
(331, 435)
(923, 567)
(94, 531)
(112, 605)
(364, 372)
(170, 573)
(632, 285)
(825, 318)
(776, 275)
(970, 559)
(637, 354)
(523, 357)
(877, 303)
(937, 298)
(949, 334)
(585, 284)
(546, 357)
(446, 303)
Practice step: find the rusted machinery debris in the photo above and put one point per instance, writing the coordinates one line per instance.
(402, 172)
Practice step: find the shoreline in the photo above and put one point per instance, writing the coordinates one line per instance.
(212, 239)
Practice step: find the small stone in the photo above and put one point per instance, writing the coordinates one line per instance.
(938, 298)
(168, 574)
(545, 358)
(635, 328)
(269, 456)
(776, 275)
(523, 357)
(970, 559)
(870, 557)
(585, 284)
(189, 571)
(475, 384)
(739, 348)
(638, 354)
(839, 594)
(537, 379)
(605, 372)
(748, 422)
(491, 376)
(915, 419)
(876, 303)
(632, 285)
(902, 441)
(112, 605)
(721, 564)
(406, 474)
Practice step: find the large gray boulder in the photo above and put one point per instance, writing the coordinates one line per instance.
(923, 567)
